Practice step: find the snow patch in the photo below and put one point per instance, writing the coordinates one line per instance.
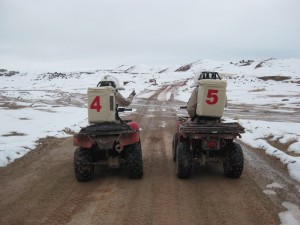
(292, 216)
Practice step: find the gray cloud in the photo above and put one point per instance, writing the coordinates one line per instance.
(74, 34)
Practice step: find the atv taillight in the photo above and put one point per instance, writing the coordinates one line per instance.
(212, 143)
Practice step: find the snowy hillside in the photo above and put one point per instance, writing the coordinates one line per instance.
(37, 105)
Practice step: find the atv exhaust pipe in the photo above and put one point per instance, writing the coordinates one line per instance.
(118, 148)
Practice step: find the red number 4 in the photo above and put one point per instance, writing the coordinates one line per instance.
(212, 97)
(96, 104)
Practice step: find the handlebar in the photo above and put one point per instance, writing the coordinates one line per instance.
(123, 109)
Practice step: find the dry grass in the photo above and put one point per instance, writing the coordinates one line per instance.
(258, 90)
(11, 105)
(69, 131)
(184, 68)
(275, 78)
(13, 133)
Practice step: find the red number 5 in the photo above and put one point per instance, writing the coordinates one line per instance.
(212, 97)
(96, 104)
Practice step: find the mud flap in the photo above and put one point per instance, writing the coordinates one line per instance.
(128, 139)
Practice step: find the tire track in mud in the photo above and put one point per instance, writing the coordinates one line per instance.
(159, 167)
(167, 201)
(50, 195)
(152, 204)
(142, 204)
(168, 206)
(68, 205)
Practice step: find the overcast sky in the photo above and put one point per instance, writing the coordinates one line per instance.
(93, 34)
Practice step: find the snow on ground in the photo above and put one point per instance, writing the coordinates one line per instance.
(35, 105)
(40, 104)
(290, 217)
(26, 125)
(259, 134)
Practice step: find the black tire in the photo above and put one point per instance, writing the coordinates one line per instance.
(184, 161)
(83, 167)
(134, 161)
(174, 146)
(233, 162)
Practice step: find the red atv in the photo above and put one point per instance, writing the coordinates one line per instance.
(207, 141)
(205, 138)
(114, 143)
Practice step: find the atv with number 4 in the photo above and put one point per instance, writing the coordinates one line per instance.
(109, 140)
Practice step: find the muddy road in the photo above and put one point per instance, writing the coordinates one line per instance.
(40, 188)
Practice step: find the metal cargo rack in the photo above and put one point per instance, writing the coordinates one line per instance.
(106, 129)
(225, 129)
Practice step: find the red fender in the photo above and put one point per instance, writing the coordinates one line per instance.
(134, 126)
(82, 141)
(131, 138)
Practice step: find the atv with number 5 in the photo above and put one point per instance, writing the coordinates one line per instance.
(203, 142)
(109, 140)
(206, 138)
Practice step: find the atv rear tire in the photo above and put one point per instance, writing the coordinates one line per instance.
(174, 146)
(134, 161)
(233, 163)
(83, 167)
(184, 161)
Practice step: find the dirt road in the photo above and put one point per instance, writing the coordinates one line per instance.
(40, 188)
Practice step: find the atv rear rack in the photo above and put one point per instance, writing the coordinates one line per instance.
(106, 129)
(189, 128)
(107, 135)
